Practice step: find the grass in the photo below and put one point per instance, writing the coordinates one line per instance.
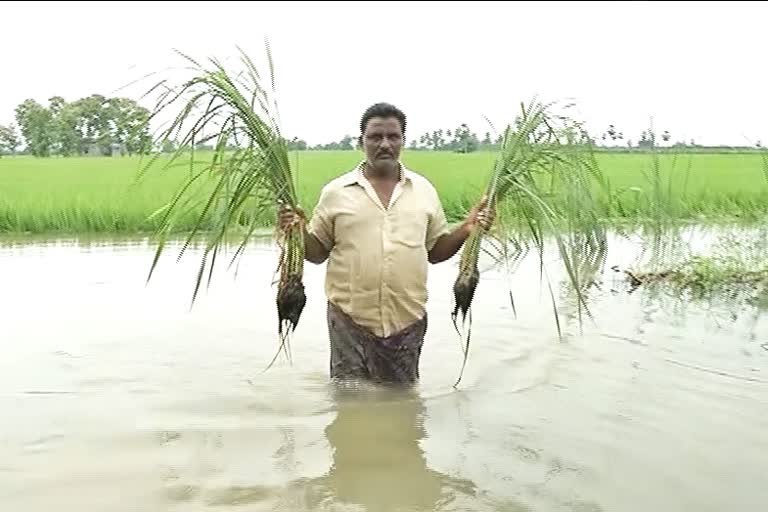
(97, 195)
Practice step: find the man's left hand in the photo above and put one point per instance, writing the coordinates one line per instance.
(480, 216)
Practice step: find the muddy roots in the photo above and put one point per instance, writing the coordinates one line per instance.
(464, 292)
(290, 303)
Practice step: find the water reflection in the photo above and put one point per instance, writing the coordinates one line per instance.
(378, 463)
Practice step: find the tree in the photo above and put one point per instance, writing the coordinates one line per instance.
(169, 146)
(346, 143)
(34, 121)
(471, 142)
(65, 136)
(130, 125)
(88, 125)
(437, 139)
(464, 141)
(665, 136)
(432, 140)
(647, 140)
(297, 144)
(613, 133)
(96, 118)
(9, 141)
(487, 139)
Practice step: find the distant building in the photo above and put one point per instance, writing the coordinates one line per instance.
(115, 149)
(118, 149)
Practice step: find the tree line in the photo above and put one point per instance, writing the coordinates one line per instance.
(463, 140)
(93, 125)
(460, 140)
(98, 125)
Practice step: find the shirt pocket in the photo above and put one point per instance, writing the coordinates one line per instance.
(409, 228)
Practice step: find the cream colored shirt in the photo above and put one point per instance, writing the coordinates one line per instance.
(377, 267)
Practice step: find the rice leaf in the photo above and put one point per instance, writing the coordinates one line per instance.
(542, 147)
(240, 180)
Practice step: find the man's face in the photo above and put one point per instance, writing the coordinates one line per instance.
(382, 141)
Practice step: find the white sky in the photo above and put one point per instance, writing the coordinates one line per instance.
(698, 68)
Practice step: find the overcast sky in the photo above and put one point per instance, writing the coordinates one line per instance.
(698, 68)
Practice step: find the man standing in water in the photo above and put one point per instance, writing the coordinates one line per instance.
(379, 226)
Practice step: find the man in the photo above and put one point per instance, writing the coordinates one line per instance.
(379, 226)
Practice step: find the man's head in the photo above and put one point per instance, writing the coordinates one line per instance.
(382, 133)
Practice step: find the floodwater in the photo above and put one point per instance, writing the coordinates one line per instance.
(116, 396)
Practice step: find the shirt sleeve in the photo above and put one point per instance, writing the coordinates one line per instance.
(437, 225)
(321, 224)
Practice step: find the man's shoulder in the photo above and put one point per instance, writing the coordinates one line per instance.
(339, 182)
(420, 181)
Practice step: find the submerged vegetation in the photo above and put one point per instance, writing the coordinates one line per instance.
(735, 265)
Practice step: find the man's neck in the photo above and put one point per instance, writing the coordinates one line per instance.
(388, 172)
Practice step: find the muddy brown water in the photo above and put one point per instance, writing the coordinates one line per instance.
(115, 396)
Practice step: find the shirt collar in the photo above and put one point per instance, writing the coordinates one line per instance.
(356, 176)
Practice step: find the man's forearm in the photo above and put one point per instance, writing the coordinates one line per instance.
(449, 244)
(314, 251)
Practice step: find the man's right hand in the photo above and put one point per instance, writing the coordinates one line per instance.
(287, 217)
(314, 251)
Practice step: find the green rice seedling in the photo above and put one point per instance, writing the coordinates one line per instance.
(250, 172)
(67, 195)
(546, 169)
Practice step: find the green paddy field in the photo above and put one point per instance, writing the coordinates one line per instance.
(100, 195)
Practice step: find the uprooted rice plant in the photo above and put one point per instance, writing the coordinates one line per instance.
(238, 109)
(547, 170)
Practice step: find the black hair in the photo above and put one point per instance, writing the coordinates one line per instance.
(383, 110)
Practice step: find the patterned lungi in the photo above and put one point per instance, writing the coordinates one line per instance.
(356, 353)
